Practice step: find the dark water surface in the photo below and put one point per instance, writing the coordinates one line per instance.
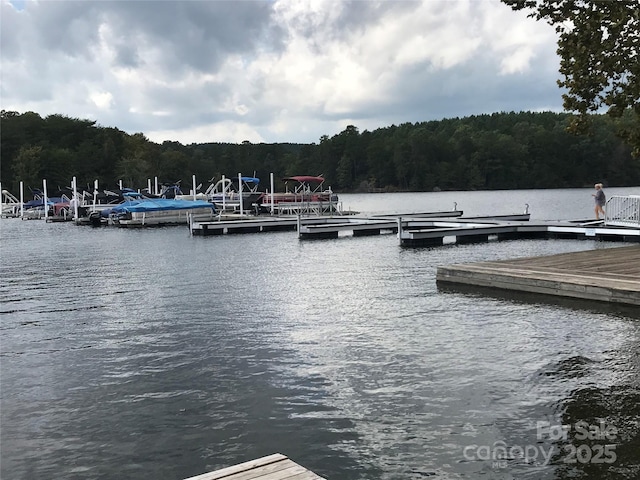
(153, 354)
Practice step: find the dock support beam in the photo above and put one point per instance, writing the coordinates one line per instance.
(468, 239)
(365, 233)
(318, 235)
(422, 242)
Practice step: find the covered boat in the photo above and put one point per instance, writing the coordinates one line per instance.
(161, 211)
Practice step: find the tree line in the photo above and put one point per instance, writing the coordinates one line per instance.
(506, 150)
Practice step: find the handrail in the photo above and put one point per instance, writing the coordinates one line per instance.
(623, 211)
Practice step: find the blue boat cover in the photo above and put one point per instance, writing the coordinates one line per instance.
(158, 204)
(250, 179)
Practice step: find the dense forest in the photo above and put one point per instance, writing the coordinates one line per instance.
(497, 151)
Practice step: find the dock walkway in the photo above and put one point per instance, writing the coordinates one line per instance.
(611, 274)
(414, 233)
(422, 229)
(272, 467)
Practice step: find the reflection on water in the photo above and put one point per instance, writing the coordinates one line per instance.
(149, 353)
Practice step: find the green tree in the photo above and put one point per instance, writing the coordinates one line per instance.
(28, 165)
(598, 45)
(133, 172)
(344, 172)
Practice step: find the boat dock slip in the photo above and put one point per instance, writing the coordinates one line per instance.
(251, 225)
(272, 467)
(611, 275)
(416, 233)
(421, 229)
(327, 226)
(361, 226)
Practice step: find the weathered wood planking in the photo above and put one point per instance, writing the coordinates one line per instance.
(271, 467)
(611, 274)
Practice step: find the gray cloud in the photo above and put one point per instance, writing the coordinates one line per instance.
(193, 34)
(283, 70)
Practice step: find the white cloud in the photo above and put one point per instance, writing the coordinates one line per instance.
(103, 100)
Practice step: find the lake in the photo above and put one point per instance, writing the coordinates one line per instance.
(149, 353)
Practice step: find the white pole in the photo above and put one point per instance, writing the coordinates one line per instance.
(273, 208)
(95, 193)
(75, 198)
(46, 200)
(21, 200)
(156, 185)
(224, 194)
(120, 184)
(193, 178)
(149, 186)
(240, 192)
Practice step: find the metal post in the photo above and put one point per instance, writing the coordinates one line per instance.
(272, 195)
(95, 194)
(75, 198)
(21, 200)
(156, 185)
(193, 178)
(240, 193)
(46, 200)
(224, 194)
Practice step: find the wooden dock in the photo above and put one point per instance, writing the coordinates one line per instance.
(610, 275)
(272, 467)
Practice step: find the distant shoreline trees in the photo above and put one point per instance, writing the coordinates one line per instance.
(483, 152)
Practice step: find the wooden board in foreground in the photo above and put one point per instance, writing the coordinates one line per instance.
(611, 274)
(271, 467)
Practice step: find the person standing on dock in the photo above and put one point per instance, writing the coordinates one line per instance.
(601, 199)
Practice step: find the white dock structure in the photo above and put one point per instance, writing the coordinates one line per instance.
(423, 229)
(623, 211)
(362, 226)
(226, 225)
(416, 233)
(271, 467)
(310, 227)
(10, 205)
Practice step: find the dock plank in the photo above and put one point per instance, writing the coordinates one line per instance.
(611, 274)
(271, 467)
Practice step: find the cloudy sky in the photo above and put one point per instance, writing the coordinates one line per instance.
(272, 71)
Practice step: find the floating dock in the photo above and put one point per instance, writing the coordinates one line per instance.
(363, 226)
(252, 225)
(416, 233)
(272, 467)
(610, 275)
(422, 229)
(309, 226)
